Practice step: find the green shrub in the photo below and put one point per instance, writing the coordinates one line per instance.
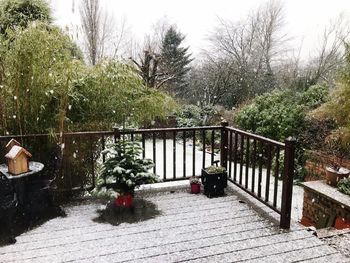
(192, 115)
(19, 13)
(314, 96)
(274, 115)
(344, 186)
(282, 114)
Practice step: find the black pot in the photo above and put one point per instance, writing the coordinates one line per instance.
(214, 183)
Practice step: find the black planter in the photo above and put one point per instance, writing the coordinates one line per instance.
(214, 183)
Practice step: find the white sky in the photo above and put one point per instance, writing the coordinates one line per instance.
(305, 19)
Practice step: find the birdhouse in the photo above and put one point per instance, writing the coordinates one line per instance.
(17, 160)
(10, 144)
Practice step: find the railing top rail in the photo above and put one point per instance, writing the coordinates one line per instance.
(127, 131)
(255, 136)
(57, 134)
(171, 129)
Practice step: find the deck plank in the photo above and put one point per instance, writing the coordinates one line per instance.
(190, 228)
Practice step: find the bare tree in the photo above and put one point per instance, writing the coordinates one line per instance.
(147, 58)
(92, 21)
(211, 81)
(323, 65)
(253, 46)
(103, 36)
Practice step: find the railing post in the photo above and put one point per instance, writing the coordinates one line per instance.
(287, 187)
(224, 144)
(116, 132)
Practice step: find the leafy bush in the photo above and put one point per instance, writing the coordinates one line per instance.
(282, 114)
(45, 89)
(37, 82)
(192, 115)
(273, 115)
(19, 13)
(314, 96)
(124, 171)
(338, 107)
(344, 186)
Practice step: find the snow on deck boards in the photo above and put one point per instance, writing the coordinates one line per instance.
(191, 228)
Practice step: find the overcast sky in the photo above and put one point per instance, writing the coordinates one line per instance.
(305, 19)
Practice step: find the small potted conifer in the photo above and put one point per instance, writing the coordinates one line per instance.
(124, 171)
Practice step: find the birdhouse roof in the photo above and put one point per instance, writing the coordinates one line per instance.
(12, 142)
(16, 151)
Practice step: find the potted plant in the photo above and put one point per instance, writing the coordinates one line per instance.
(214, 179)
(195, 184)
(334, 171)
(124, 170)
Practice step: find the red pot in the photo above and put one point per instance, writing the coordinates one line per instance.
(341, 223)
(195, 188)
(125, 200)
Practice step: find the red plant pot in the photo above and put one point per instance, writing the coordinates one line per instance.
(125, 200)
(341, 223)
(195, 188)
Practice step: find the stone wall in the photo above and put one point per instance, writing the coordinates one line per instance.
(321, 210)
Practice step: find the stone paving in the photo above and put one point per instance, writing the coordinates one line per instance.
(191, 228)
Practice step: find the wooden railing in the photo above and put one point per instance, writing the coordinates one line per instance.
(253, 162)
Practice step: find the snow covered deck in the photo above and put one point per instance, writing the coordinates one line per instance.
(190, 228)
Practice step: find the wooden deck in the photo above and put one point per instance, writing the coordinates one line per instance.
(190, 228)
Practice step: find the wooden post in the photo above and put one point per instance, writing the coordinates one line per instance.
(224, 144)
(116, 134)
(287, 187)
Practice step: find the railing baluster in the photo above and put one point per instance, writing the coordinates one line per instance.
(241, 160)
(194, 153)
(230, 157)
(260, 167)
(92, 165)
(235, 158)
(212, 147)
(253, 166)
(174, 155)
(164, 155)
(268, 173)
(184, 154)
(143, 146)
(132, 136)
(103, 142)
(203, 140)
(277, 168)
(247, 163)
(154, 152)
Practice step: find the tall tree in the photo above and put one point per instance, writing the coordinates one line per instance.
(175, 61)
(91, 18)
(253, 46)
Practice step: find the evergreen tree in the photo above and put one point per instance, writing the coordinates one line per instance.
(175, 62)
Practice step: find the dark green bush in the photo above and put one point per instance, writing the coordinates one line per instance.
(344, 186)
(192, 115)
(19, 13)
(281, 114)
